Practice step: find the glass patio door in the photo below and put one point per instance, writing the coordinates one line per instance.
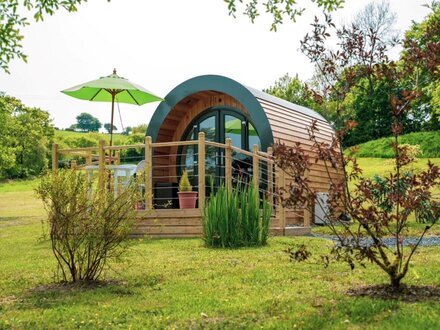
(218, 124)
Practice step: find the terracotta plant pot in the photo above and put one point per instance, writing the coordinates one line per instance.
(187, 199)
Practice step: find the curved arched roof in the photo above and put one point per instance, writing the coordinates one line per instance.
(247, 96)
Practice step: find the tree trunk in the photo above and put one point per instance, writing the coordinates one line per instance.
(395, 281)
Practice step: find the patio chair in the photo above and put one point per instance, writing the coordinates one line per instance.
(140, 167)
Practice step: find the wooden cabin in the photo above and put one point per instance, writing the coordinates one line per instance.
(221, 132)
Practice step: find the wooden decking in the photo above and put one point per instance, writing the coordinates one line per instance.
(171, 223)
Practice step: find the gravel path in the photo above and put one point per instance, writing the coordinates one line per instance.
(426, 241)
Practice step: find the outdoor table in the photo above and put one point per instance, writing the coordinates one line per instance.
(124, 172)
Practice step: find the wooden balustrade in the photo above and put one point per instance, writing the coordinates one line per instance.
(261, 162)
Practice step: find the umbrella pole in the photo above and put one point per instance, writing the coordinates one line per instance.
(111, 127)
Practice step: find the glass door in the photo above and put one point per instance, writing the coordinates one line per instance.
(219, 124)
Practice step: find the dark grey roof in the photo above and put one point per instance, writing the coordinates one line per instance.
(284, 103)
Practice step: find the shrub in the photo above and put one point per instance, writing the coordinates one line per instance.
(234, 218)
(184, 184)
(87, 228)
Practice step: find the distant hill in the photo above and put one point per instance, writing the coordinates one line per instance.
(429, 143)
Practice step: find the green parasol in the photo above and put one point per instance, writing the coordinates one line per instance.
(110, 89)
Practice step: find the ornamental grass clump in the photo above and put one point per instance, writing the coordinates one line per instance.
(234, 218)
(87, 227)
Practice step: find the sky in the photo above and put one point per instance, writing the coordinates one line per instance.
(159, 44)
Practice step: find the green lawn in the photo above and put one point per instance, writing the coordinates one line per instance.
(182, 284)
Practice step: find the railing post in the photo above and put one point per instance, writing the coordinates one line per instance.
(307, 208)
(89, 158)
(101, 163)
(282, 184)
(270, 174)
(256, 169)
(228, 164)
(118, 157)
(54, 157)
(201, 169)
(148, 173)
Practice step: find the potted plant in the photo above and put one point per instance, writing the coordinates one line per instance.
(187, 197)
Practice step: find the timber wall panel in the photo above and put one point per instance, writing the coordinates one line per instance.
(290, 127)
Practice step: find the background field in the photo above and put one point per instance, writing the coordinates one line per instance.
(429, 143)
(69, 139)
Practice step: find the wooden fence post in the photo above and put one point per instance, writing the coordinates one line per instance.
(228, 164)
(118, 157)
(307, 208)
(101, 163)
(270, 175)
(54, 157)
(201, 169)
(282, 184)
(148, 173)
(256, 169)
(89, 158)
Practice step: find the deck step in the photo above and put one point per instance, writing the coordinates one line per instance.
(186, 223)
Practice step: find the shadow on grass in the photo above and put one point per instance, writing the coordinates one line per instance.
(59, 294)
(11, 221)
(62, 293)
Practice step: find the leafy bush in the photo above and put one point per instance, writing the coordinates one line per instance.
(87, 227)
(234, 218)
(25, 134)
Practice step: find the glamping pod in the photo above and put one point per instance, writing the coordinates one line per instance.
(223, 108)
(217, 132)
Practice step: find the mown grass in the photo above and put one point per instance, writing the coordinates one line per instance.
(18, 185)
(429, 143)
(182, 284)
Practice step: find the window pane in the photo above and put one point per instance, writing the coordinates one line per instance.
(188, 158)
(253, 137)
(233, 130)
(208, 127)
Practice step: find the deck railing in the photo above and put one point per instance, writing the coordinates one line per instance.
(162, 166)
